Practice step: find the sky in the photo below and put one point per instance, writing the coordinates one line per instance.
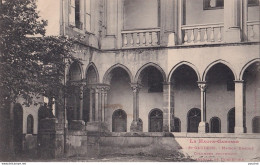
(50, 10)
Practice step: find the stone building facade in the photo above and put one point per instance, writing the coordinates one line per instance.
(187, 67)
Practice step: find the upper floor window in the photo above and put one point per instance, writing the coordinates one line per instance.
(213, 4)
(140, 14)
(80, 14)
(253, 2)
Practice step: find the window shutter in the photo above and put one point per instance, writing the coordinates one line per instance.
(87, 15)
(72, 13)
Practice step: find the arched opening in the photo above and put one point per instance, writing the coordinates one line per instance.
(185, 92)
(220, 89)
(176, 125)
(256, 124)
(231, 120)
(18, 128)
(119, 121)
(156, 120)
(91, 78)
(141, 14)
(73, 104)
(151, 78)
(251, 79)
(30, 124)
(215, 125)
(194, 118)
(120, 94)
(73, 98)
(75, 72)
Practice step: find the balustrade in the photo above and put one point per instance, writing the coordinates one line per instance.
(203, 34)
(141, 38)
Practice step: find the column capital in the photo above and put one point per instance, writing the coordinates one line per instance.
(239, 81)
(202, 85)
(136, 87)
(77, 83)
(99, 87)
(167, 83)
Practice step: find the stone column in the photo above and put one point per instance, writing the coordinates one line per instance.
(96, 103)
(239, 107)
(100, 103)
(90, 105)
(166, 107)
(103, 104)
(180, 20)
(81, 92)
(232, 10)
(136, 126)
(244, 19)
(203, 124)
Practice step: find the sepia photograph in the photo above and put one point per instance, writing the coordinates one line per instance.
(129, 81)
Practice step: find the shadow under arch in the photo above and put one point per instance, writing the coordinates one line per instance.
(92, 65)
(75, 66)
(150, 64)
(228, 65)
(241, 74)
(108, 76)
(193, 67)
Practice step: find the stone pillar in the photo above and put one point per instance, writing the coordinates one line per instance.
(166, 107)
(104, 102)
(96, 103)
(103, 105)
(90, 105)
(136, 126)
(232, 10)
(239, 107)
(203, 125)
(180, 20)
(100, 103)
(244, 19)
(81, 99)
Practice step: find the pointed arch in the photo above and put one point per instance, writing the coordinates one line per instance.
(181, 64)
(119, 121)
(148, 65)
(92, 65)
(155, 118)
(218, 62)
(241, 74)
(107, 76)
(75, 65)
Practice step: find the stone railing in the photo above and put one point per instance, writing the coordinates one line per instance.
(202, 34)
(141, 38)
(253, 30)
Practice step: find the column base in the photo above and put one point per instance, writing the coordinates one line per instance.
(77, 125)
(136, 126)
(203, 127)
(97, 126)
(240, 129)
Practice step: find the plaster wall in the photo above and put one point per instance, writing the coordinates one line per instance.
(196, 15)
